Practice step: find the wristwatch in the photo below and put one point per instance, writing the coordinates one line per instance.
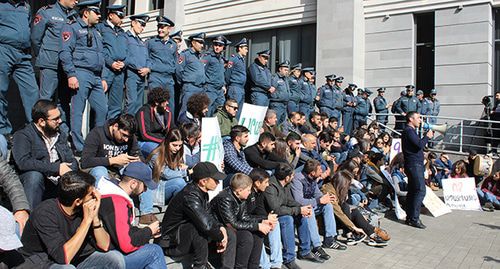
(97, 226)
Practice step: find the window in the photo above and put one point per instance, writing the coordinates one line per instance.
(156, 4)
(295, 44)
(425, 51)
(130, 7)
(496, 83)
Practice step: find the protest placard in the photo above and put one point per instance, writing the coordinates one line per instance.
(211, 147)
(395, 148)
(252, 117)
(460, 193)
(434, 204)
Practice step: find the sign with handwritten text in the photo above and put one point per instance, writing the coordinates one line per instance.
(252, 117)
(460, 193)
(395, 148)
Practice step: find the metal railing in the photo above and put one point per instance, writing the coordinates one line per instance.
(461, 135)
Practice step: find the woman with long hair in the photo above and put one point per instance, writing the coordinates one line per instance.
(352, 218)
(459, 169)
(169, 169)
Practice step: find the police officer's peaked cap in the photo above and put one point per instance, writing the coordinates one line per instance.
(89, 3)
(410, 87)
(433, 91)
(353, 85)
(285, 64)
(117, 9)
(297, 66)
(176, 35)
(308, 69)
(143, 18)
(220, 39)
(339, 79)
(265, 53)
(164, 21)
(242, 43)
(368, 91)
(200, 37)
(361, 90)
(331, 77)
(420, 92)
(381, 90)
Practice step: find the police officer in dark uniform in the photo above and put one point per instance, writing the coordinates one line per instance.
(260, 79)
(82, 59)
(306, 104)
(46, 39)
(190, 70)
(409, 102)
(138, 64)
(330, 98)
(295, 85)
(15, 58)
(396, 109)
(363, 107)
(214, 72)
(236, 74)
(280, 98)
(381, 106)
(350, 102)
(115, 53)
(163, 56)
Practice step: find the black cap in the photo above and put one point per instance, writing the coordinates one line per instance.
(206, 169)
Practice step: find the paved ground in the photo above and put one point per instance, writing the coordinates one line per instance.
(461, 239)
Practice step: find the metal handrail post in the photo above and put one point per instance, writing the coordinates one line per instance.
(461, 135)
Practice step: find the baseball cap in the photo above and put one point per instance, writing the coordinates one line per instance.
(206, 169)
(142, 172)
(8, 236)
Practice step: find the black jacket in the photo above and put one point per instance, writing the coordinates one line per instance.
(30, 153)
(279, 199)
(261, 159)
(232, 212)
(190, 205)
(149, 127)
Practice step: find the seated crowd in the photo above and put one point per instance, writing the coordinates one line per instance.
(304, 175)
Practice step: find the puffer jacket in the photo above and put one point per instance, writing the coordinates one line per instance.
(190, 205)
(232, 212)
(11, 188)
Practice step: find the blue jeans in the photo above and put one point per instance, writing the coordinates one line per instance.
(98, 172)
(149, 256)
(90, 88)
(304, 235)
(288, 238)
(329, 221)
(111, 259)
(16, 63)
(172, 187)
(416, 191)
(276, 258)
(37, 187)
(486, 197)
(147, 147)
(116, 82)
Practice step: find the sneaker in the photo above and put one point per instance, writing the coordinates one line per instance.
(356, 239)
(335, 245)
(320, 252)
(147, 219)
(380, 209)
(488, 207)
(496, 206)
(376, 241)
(382, 233)
(310, 257)
(291, 265)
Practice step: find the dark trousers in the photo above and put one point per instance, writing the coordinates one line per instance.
(248, 249)
(226, 259)
(416, 191)
(190, 243)
(357, 218)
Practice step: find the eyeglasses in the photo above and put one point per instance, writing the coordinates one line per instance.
(234, 107)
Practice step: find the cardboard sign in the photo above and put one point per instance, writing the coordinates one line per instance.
(460, 193)
(395, 148)
(211, 147)
(252, 117)
(434, 204)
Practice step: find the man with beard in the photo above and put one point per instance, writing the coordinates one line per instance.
(118, 218)
(41, 153)
(234, 157)
(163, 56)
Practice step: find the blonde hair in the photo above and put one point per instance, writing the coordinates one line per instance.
(240, 181)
